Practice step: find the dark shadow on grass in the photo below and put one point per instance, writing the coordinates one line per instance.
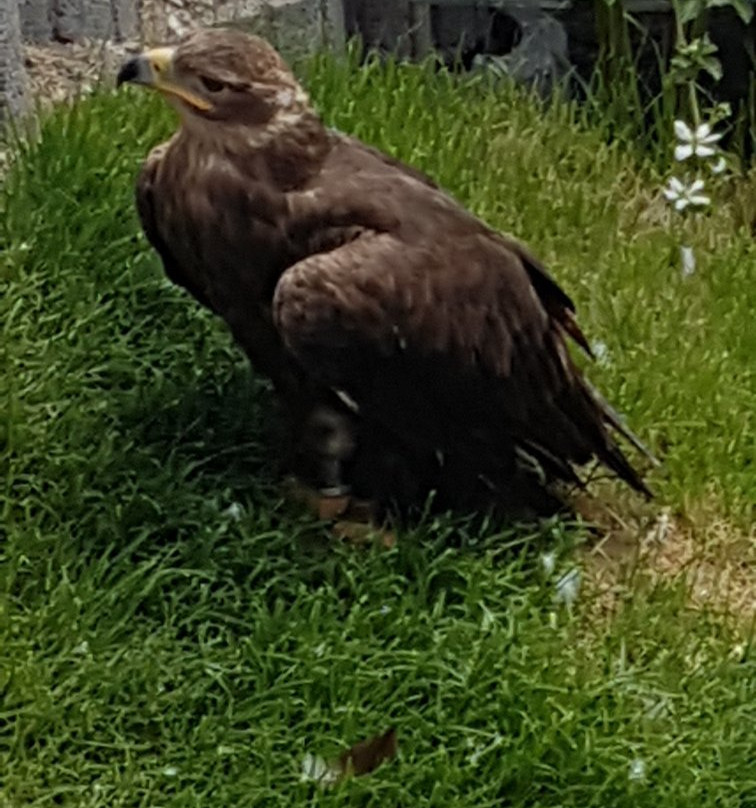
(189, 515)
(223, 427)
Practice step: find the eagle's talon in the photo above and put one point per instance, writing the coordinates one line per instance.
(320, 504)
(360, 534)
(331, 491)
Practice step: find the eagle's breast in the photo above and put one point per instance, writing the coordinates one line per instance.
(225, 226)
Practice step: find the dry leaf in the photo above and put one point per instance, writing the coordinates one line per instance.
(362, 758)
(367, 755)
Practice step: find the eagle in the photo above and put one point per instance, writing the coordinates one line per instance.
(413, 348)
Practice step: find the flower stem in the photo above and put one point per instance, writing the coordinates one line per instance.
(682, 41)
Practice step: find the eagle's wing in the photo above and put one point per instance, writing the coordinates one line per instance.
(146, 208)
(440, 328)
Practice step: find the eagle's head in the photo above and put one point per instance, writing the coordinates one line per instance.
(221, 76)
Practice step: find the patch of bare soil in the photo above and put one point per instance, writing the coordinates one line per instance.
(717, 560)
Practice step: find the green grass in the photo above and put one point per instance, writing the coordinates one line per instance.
(158, 651)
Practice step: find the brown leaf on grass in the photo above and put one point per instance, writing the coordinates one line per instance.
(362, 758)
(365, 756)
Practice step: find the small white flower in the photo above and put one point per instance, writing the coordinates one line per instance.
(719, 167)
(568, 587)
(170, 771)
(82, 648)
(234, 512)
(660, 529)
(548, 562)
(738, 652)
(601, 352)
(316, 770)
(682, 195)
(688, 259)
(699, 141)
(313, 768)
(637, 770)
(384, 609)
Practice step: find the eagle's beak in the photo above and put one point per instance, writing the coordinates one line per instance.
(154, 68)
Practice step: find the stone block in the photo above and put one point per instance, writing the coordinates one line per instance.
(294, 27)
(125, 19)
(97, 21)
(333, 23)
(13, 84)
(386, 25)
(36, 22)
(67, 17)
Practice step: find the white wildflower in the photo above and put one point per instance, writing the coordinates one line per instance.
(316, 770)
(601, 352)
(699, 141)
(637, 770)
(719, 167)
(660, 528)
(738, 652)
(548, 562)
(82, 648)
(234, 512)
(170, 771)
(688, 259)
(682, 195)
(568, 587)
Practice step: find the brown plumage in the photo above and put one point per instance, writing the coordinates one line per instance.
(435, 345)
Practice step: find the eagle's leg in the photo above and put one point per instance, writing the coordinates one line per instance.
(331, 478)
(329, 438)
(325, 440)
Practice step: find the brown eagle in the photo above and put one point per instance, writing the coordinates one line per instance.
(413, 347)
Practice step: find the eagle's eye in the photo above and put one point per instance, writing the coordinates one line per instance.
(211, 85)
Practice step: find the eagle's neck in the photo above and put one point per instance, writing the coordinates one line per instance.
(293, 146)
(286, 152)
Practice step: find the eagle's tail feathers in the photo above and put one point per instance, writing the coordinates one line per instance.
(610, 453)
(615, 420)
(533, 455)
(613, 457)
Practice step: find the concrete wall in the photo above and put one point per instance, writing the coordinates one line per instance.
(294, 26)
(291, 25)
(163, 20)
(13, 96)
(69, 20)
